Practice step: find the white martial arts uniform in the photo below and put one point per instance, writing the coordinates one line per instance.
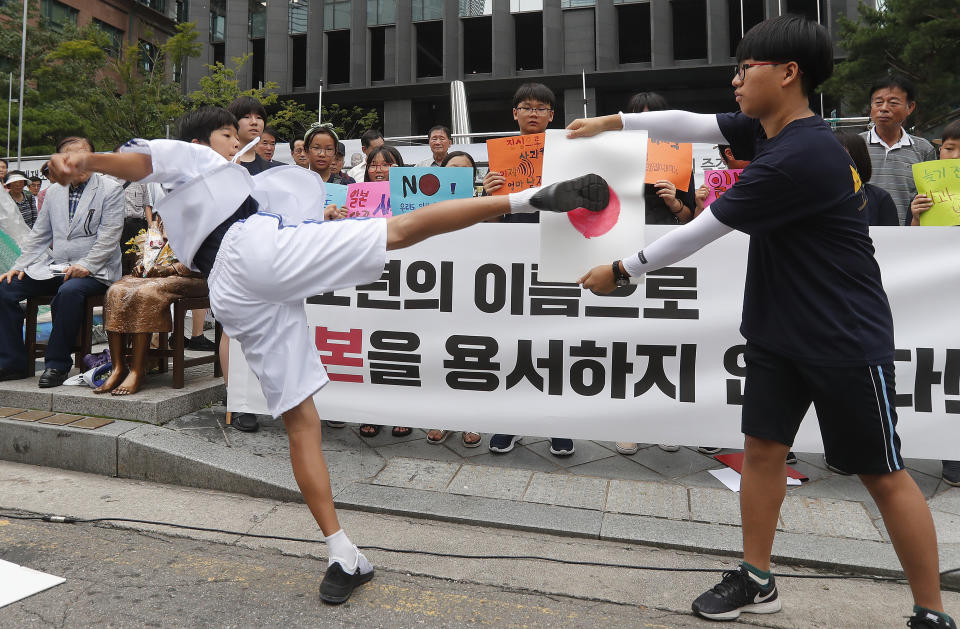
(267, 264)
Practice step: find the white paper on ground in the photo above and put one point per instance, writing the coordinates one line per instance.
(731, 478)
(18, 582)
(620, 158)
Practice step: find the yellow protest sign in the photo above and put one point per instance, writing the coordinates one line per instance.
(939, 180)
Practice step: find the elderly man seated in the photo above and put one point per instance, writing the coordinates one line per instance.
(73, 253)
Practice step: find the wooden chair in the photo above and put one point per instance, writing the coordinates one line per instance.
(37, 350)
(180, 362)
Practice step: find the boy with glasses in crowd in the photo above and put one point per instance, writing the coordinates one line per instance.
(816, 318)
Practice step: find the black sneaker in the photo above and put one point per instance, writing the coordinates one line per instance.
(200, 344)
(951, 473)
(588, 191)
(245, 422)
(923, 619)
(791, 458)
(337, 585)
(736, 593)
(561, 447)
(503, 443)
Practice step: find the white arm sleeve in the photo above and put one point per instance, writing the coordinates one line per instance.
(676, 125)
(677, 245)
(175, 162)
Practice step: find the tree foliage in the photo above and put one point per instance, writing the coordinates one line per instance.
(221, 86)
(293, 119)
(919, 39)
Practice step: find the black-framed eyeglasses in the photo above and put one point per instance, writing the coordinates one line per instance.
(529, 110)
(740, 70)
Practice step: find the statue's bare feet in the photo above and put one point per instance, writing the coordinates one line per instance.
(116, 377)
(130, 385)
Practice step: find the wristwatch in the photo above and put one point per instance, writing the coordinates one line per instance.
(619, 277)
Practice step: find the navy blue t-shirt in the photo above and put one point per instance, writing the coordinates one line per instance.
(881, 210)
(813, 290)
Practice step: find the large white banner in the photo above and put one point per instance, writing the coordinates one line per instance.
(459, 333)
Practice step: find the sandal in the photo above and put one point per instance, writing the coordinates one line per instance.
(471, 444)
(440, 438)
(401, 431)
(370, 430)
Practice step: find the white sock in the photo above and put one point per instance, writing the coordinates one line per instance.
(341, 550)
(520, 201)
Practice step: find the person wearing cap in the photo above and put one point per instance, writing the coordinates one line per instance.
(26, 202)
(336, 169)
(72, 253)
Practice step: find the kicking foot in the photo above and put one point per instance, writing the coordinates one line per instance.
(338, 584)
(589, 191)
(116, 377)
(130, 385)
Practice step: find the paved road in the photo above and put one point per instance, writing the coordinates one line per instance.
(124, 578)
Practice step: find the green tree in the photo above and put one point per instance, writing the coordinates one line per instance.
(916, 38)
(351, 122)
(221, 87)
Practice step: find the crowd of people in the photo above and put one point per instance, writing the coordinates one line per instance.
(102, 200)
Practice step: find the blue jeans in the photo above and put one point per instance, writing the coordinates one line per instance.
(67, 309)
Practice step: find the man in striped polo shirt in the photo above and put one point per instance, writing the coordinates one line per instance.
(893, 151)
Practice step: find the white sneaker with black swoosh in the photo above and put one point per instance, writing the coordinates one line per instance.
(737, 593)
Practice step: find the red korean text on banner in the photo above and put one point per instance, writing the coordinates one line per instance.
(344, 349)
(672, 161)
(370, 198)
(519, 159)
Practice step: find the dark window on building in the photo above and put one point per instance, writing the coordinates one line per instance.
(298, 64)
(58, 14)
(256, 62)
(528, 29)
(338, 57)
(429, 48)
(753, 14)
(219, 53)
(633, 30)
(378, 52)
(689, 29)
(183, 11)
(148, 56)
(114, 35)
(256, 19)
(218, 20)
(477, 45)
(806, 8)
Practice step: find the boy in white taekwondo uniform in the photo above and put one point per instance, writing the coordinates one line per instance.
(266, 263)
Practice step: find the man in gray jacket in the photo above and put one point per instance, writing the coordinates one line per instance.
(73, 252)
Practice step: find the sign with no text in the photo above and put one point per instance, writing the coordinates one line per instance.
(519, 159)
(672, 161)
(413, 188)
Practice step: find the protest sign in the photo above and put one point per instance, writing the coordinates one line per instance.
(370, 198)
(413, 188)
(519, 158)
(336, 194)
(465, 321)
(718, 182)
(573, 242)
(672, 161)
(939, 180)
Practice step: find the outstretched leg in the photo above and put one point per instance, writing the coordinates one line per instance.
(134, 380)
(119, 371)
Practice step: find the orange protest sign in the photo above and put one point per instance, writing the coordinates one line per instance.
(672, 161)
(519, 158)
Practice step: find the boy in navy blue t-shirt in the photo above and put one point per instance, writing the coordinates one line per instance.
(816, 318)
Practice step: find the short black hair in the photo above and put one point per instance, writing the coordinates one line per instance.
(369, 136)
(894, 81)
(534, 91)
(440, 127)
(651, 101)
(857, 147)
(791, 38)
(35, 178)
(951, 131)
(201, 122)
(244, 105)
(297, 137)
(70, 139)
(270, 131)
(394, 157)
(452, 154)
(314, 131)
(341, 149)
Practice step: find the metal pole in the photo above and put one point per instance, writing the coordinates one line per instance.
(9, 110)
(320, 103)
(583, 78)
(23, 64)
(741, 19)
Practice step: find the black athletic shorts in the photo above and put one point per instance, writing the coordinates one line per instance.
(854, 406)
